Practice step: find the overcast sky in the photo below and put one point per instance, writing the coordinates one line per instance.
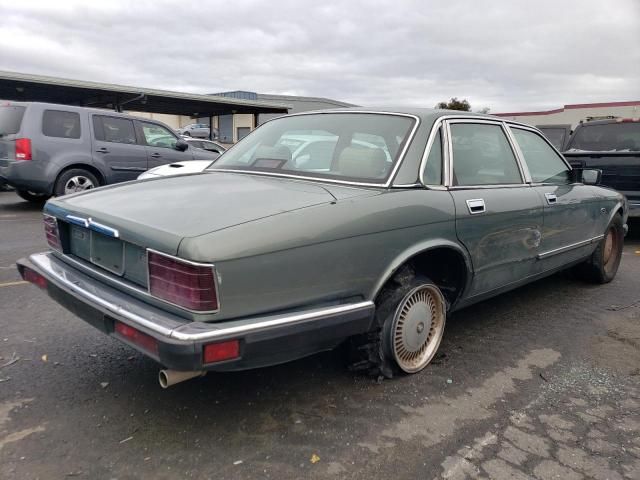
(506, 55)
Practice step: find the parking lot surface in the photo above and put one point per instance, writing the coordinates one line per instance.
(542, 382)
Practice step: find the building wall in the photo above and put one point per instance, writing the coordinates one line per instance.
(573, 114)
(173, 121)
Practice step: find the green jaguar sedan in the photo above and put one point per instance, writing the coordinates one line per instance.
(370, 228)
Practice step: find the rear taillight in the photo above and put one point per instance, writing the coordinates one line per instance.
(34, 277)
(135, 336)
(186, 284)
(52, 233)
(221, 351)
(23, 149)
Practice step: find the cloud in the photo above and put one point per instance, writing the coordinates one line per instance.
(504, 55)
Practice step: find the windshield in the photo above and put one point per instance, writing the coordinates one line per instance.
(10, 119)
(608, 137)
(356, 147)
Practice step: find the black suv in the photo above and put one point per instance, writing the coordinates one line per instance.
(613, 146)
(49, 149)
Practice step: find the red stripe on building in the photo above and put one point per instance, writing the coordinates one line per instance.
(571, 106)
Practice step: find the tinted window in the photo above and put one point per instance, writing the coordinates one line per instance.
(10, 119)
(56, 123)
(545, 166)
(114, 129)
(433, 169)
(354, 146)
(556, 136)
(158, 136)
(195, 144)
(623, 136)
(482, 155)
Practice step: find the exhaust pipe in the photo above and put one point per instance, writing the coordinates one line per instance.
(168, 378)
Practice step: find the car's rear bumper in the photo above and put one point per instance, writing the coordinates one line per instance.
(264, 340)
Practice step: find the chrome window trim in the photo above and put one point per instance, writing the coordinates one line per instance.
(571, 246)
(483, 121)
(489, 187)
(515, 146)
(190, 262)
(387, 184)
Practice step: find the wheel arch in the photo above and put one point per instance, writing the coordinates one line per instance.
(83, 166)
(421, 258)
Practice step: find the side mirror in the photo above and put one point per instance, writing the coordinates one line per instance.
(591, 176)
(181, 145)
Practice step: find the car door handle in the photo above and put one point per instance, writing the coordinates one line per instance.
(102, 150)
(155, 155)
(551, 198)
(476, 205)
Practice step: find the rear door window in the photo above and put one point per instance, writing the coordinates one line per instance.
(482, 156)
(114, 129)
(545, 165)
(10, 119)
(61, 124)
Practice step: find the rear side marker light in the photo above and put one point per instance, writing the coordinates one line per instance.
(51, 232)
(135, 336)
(218, 352)
(185, 284)
(34, 277)
(23, 149)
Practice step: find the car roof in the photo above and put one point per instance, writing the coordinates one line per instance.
(76, 108)
(426, 115)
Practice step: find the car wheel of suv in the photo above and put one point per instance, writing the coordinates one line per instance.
(603, 264)
(410, 320)
(32, 196)
(186, 134)
(75, 180)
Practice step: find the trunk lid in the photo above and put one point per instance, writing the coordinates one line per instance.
(159, 213)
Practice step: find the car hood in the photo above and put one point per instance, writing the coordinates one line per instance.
(159, 213)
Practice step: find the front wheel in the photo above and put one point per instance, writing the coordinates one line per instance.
(603, 264)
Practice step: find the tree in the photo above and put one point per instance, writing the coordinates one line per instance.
(455, 104)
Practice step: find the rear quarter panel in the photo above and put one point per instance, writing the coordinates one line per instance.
(323, 253)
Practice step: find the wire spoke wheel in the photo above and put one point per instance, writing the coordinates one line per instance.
(78, 183)
(418, 326)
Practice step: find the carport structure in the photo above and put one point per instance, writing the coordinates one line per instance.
(39, 88)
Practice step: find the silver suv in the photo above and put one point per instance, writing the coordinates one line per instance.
(49, 149)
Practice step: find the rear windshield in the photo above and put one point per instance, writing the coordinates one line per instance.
(355, 147)
(609, 137)
(10, 119)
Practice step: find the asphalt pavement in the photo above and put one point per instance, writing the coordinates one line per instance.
(542, 382)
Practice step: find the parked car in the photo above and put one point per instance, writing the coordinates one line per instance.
(200, 130)
(49, 149)
(261, 260)
(558, 135)
(613, 146)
